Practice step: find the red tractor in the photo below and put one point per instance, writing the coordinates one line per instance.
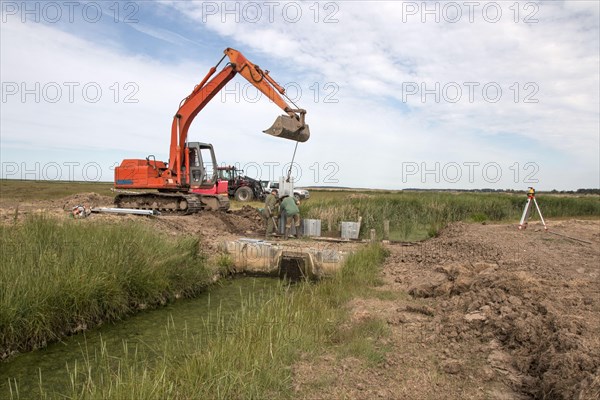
(239, 186)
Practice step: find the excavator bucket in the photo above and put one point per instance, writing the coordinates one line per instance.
(289, 128)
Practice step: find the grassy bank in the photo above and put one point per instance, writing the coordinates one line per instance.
(61, 276)
(417, 215)
(248, 354)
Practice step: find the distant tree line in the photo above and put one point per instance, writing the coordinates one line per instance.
(488, 190)
(588, 191)
(484, 190)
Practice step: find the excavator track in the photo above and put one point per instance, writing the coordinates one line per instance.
(166, 203)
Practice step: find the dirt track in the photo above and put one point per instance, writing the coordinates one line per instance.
(482, 311)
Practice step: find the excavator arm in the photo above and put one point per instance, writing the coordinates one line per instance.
(290, 126)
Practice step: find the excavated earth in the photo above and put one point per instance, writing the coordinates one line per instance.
(482, 311)
(211, 227)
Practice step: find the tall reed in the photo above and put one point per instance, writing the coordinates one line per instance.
(62, 276)
(417, 215)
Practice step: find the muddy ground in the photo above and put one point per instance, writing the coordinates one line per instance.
(483, 311)
(480, 312)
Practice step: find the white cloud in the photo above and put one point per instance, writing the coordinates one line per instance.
(162, 34)
(370, 54)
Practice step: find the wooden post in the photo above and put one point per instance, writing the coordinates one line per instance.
(372, 235)
(386, 230)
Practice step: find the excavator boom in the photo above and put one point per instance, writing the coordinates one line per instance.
(186, 172)
(290, 126)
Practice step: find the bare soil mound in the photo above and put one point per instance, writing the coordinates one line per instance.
(88, 200)
(532, 297)
(212, 227)
(480, 312)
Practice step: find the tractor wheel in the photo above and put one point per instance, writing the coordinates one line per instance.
(244, 194)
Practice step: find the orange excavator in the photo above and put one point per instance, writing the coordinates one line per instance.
(189, 182)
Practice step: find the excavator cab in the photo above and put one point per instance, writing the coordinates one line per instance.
(202, 164)
(292, 128)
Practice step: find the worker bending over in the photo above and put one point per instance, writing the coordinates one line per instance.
(292, 213)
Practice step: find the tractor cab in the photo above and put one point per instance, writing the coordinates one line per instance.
(241, 187)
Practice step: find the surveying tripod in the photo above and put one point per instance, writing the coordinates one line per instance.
(527, 211)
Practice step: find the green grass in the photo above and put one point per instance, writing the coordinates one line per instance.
(23, 190)
(362, 340)
(248, 354)
(59, 276)
(418, 215)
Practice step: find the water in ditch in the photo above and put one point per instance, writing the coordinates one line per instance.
(51, 368)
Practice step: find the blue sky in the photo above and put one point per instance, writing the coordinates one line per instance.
(399, 94)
